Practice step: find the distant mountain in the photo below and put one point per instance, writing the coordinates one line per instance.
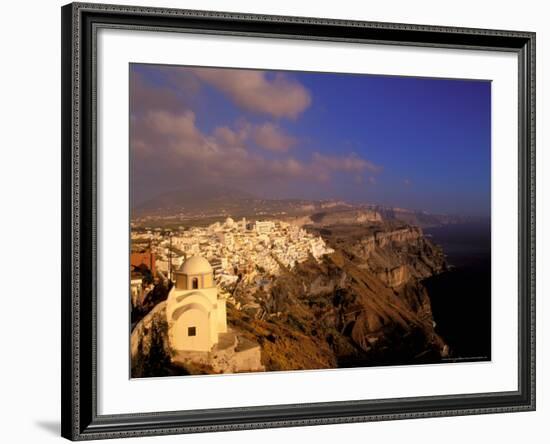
(208, 201)
(193, 198)
(362, 214)
(215, 200)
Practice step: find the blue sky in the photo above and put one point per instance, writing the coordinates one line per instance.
(399, 141)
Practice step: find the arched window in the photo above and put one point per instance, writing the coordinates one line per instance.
(195, 283)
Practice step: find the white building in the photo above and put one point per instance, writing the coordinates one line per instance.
(136, 290)
(226, 239)
(215, 227)
(264, 226)
(241, 225)
(219, 265)
(318, 247)
(195, 313)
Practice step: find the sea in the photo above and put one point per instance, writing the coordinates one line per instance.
(461, 296)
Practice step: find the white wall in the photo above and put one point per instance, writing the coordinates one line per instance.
(29, 98)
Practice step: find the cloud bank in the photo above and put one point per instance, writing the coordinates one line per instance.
(170, 146)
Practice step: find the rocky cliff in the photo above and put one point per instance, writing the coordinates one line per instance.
(395, 253)
(363, 305)
(347, 216)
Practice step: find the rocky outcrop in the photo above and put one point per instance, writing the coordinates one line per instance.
(143, 334)
(369, 242)
(149, 349)
(394, 277)
(399, 236)
(340, 312)
(395, 254)
(346, 217)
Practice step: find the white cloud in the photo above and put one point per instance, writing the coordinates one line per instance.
(253, 91)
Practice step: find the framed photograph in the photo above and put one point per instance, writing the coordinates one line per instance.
(280, 221)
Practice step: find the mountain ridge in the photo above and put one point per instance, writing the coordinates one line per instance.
(215, 201)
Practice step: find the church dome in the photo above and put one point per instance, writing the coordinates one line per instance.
(196, 265)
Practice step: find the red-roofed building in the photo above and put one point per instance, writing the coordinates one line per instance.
(146, 258)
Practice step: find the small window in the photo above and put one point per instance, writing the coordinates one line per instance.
(195, 283)
(191, 331)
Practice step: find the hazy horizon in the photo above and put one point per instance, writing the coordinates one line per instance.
(416, 143)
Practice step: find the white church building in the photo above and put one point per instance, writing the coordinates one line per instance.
(196, 314)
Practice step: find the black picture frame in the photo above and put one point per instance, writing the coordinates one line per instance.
(80, 22)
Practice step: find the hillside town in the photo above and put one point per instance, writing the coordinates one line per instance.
(233, 248)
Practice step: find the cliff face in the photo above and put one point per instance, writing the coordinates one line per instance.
(363, 305)
(394, 254)
(394, 277)
(348, 217)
